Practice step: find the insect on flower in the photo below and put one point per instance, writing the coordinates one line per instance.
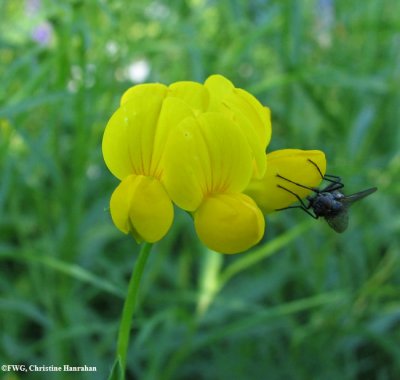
(329, 202)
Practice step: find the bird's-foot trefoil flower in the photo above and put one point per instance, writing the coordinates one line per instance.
(208, 164)
(139, 205)
(293, 164)
(192, 142)
(133, 146)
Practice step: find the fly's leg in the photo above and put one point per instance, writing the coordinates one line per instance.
(302, 206)
(297, 184)
(319, 170)
(333, 186)
(335, 181)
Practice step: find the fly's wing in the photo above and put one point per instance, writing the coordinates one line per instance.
(339, 222)
(349, 199)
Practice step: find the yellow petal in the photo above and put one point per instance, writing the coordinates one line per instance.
(173, 111)
(247, 112)
(294, 165)
(115, 146)
(142, 92)
(129, 135)
(219, 87)
(205, 155)
(230, 156)
(259, 115)
(229, 223)
(184, 160)
(141, 206)
(143, 111)
(193, 94)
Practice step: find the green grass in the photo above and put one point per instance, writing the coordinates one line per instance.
(307, 303)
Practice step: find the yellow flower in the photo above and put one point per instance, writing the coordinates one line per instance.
(210, 158)
(197, 145)
(139, 205)
(208, 163)
(292, 164)
(133, 145)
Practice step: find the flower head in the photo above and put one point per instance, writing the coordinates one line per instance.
(196, 145)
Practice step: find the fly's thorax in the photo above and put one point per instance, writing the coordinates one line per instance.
(327, 204)
(338, 195)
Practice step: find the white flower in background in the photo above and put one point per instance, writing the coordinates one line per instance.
(138, 71)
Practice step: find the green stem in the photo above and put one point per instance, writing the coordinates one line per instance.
(130, 305)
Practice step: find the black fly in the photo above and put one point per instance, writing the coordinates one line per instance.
(329, 202)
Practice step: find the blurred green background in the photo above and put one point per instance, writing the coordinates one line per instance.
(307, 303)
